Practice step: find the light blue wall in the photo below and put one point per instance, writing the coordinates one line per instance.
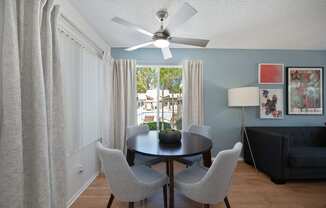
(228, 68)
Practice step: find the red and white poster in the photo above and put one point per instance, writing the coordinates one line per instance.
(271, 74)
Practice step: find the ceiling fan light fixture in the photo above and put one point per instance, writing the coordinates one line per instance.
(161, 43)
(162, 38)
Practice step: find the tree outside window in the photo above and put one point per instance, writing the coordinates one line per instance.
(159, 91)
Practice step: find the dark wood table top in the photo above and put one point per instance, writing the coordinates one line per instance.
(149, 144)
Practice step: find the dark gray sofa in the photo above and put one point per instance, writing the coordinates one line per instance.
(286, 153)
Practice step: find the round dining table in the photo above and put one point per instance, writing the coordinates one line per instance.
(149, 144)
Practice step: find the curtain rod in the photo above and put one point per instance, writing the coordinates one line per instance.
(158, 65)
(68, 27)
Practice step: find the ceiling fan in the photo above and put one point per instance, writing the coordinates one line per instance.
(162, 38)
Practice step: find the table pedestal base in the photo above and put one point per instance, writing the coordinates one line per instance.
(171, 183)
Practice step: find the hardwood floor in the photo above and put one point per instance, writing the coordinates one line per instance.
(250, 189)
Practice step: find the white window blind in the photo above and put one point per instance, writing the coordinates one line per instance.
(90, 96)
(82, 93)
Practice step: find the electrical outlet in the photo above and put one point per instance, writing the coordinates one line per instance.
(80, 169)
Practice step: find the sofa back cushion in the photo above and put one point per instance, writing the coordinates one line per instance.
(307, 136)
(300, 136)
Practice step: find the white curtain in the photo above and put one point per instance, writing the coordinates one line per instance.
(193, 98)
(32, 169)
(106, 123)
(123, 103)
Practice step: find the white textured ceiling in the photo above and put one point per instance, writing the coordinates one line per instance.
(245, 24)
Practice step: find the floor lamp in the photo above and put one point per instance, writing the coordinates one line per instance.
(244, 97)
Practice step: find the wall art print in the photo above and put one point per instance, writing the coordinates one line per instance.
(271, 104)
(271, 74)
(305, 90)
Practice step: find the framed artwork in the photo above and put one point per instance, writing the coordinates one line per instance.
(271, 104)
(305, 90)
(271, 73)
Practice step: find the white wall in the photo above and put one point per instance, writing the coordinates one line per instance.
(82, 162)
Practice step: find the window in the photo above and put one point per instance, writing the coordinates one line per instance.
(159, 96)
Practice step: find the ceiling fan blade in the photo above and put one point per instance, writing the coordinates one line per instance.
(182, 15)
(166, 53)
(139, 46)
(132, 26)
(189, 41)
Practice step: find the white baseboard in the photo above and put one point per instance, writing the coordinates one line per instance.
(81, 190)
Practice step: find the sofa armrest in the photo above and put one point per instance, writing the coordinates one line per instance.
(270, 152)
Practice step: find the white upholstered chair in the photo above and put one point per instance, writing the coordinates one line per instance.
(129, 184)
(136, 129)
(210, 186)
(203, 131)
(141, 159)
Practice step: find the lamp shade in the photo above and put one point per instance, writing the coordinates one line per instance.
(243, 97)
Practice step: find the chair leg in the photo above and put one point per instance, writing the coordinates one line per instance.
(131, 204)
(167, 168)
(110, 201)
(165, 196)
(227, 203)
(206, 205)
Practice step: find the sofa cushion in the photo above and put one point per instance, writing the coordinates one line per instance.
(313, 157)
